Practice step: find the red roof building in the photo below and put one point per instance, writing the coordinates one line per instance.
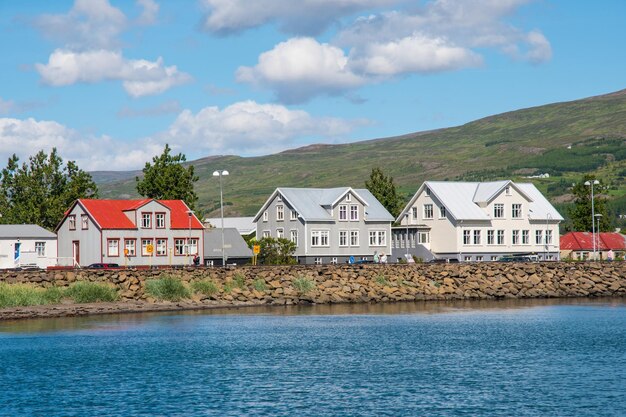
(129, 232)
(579, 244)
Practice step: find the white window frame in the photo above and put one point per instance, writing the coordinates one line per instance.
(320, 238)
(40, 248)
(348, 197)
(424, 237)
(84, 222)
(280, 213)
(116, 247)
(500, 237)
(160, 220)
(343, 238)
(333, 261)
(414, 212)
(498, 211)
(378, 238)
(428, 211)
(343, 212)
(161, 247)
(131, 245)
(293, 236)
(515, 237)
(318, 261)
(354, 213)
(525, 237)
(442, 212)
(280, 233)
(146, 220)
(71, 221)
(467, 237)
(476, 238)
(491, 237)
(538, 237)
(479, 258)
(192, 246)
(144, 246)
(354, 238)
(293, 215)
(265, 216)
(266, 233)
(180, 246)
(548, 237)
(516, 211)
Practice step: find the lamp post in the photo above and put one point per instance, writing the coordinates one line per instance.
(598, 216)
(219, 173)
(189, 213)
(593, 215)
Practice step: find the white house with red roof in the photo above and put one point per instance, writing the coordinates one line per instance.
(580, 245)
(129, 232)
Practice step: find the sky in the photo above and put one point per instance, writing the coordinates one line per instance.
(109, 83)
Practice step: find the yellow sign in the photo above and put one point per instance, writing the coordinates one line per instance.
(256, 249)
(126, 251)
(150, 248)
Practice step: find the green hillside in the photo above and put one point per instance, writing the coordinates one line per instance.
(563, 139)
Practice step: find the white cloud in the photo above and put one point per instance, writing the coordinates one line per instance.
(303, 17)
(243, 128)
(140, 77)
(149, 13)
(300, 68)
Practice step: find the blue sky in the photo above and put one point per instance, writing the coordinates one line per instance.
(108, 83)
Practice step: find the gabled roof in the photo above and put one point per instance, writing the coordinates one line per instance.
(109, 214)
(310, 202)
(244, 225)
(583, 241)
(462, 199)
(235, 245)
(24, 231)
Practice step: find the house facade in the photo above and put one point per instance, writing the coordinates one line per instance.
(580, 245)
(129, 233)
(27, 245)
(328, 225)
(477, 221)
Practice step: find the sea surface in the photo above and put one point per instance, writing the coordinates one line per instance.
(506, 358)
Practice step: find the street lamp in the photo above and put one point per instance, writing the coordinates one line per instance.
(593, 215)
(598, 216)
(220, 173)
(189, 213)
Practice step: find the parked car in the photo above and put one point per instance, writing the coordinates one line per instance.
(103, 266)
(443, 261)
(515, 258)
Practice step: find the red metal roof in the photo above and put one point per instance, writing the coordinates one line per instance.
(582, 241)
(109, 214)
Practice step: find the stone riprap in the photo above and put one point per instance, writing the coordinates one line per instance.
(289, 285)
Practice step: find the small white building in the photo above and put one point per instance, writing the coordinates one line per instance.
(477, 221)
(27, 245)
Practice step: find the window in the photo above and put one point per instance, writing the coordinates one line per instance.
(113, 247)
(84, 222)
(266, 233)
(72, 222)
(494, 258)
(354, 238)
(193, 246)
(265, 216)
(428, 211)
(498, 211)
(467, 258)
(515, 237)
(479, 258)
(319, 237)
(414, 212)
(354, 212)
(442, 212)
(293, 236)
(343, 212)
(490, 237)
(293, 215)
(144, 247)
(427, 191)
(333, 261)
(179, 247)
(548, 237)
(466, 237)
(424, 237)
(378, 238)
(500, 237)
(343, 238)
(476, 237)
(348, 197)
(318, 261)
(146, 220)
(279, 197)
(525, 237)
(161, 246)
(40, 248)
(507, 190)
(516, 211)
(280, 233)
(129, 246)
(160, 220)
(538, 237)
(280, 213)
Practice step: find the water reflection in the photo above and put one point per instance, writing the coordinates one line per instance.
(117, 322)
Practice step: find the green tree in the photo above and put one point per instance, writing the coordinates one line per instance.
(277, 251)
(383, 188)
(580, 212)
(167, 179)
(41, 190)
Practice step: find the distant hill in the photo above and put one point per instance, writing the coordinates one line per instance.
(563, 139)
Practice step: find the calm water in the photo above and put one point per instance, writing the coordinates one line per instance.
(499, 358)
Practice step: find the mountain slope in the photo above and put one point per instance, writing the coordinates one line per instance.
(511, 144)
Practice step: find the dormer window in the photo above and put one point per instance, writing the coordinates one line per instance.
(348, 197)
(160, 220)
(280, 212)
(146, 220)
(354, 212)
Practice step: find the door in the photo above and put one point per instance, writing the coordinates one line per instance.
(76, 252)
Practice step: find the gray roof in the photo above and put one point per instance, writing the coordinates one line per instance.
(24, 231)
(312, 203)
(245, 225)
(234, 245)
(462, 199)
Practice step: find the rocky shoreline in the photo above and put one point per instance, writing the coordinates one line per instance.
(331, 284)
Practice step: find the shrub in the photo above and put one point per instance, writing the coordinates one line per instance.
(259, 285)
(90, 292)
(229, 285)
(205, 287)
(19, 295)
(239, 280)
(303, 284)
(381, 280)
(167, 288)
